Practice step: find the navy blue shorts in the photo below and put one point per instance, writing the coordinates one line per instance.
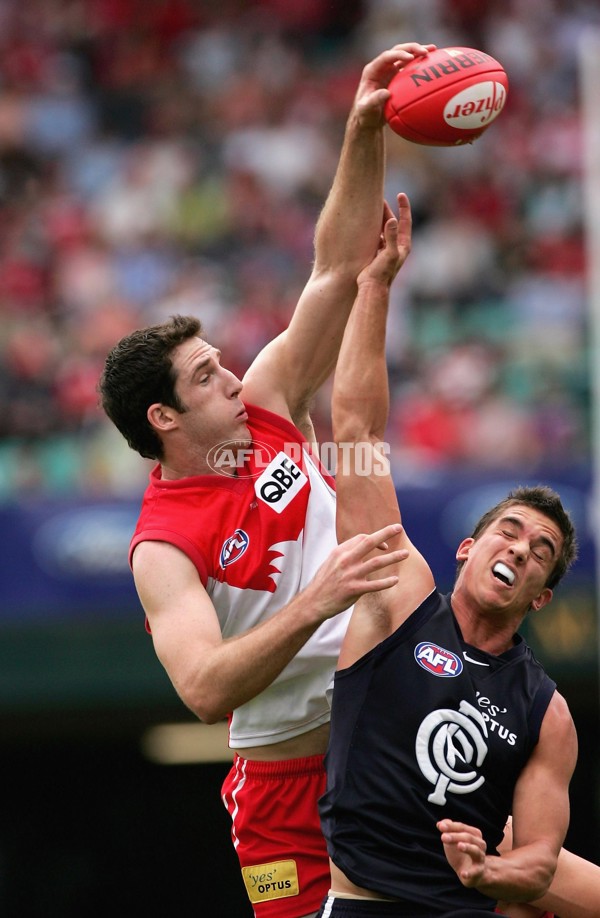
(333, 907)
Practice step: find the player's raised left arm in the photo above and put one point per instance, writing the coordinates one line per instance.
(288, 372)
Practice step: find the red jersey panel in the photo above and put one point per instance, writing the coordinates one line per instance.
(256, 540)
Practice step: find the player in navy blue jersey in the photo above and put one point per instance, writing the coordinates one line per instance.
(443, 722)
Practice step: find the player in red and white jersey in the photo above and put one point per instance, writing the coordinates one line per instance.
(236, 574)
(257, 539)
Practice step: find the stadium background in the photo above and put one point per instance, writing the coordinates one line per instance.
(160, 157)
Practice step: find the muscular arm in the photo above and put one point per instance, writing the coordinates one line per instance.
(360, 413)
(540, 820)
(574, 892)
(212, 675)
(575, 889)
(288, 372)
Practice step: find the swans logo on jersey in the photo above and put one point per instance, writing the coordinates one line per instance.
(450, 747)
(234, 547)
(280, 482)
(437, 661)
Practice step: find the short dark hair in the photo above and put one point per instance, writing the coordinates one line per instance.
(548, 502)
(138, 372)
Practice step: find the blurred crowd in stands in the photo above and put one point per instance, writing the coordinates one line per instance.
(163, 156)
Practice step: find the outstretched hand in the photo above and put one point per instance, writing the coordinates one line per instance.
(352, 569)
(372, 92)
(394, 245)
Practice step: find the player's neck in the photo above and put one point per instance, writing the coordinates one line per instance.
(487, 630)
(174, 469)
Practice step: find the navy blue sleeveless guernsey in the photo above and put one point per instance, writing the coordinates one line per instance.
(425, 726)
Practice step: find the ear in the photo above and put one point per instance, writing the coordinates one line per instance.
(161, 417)
(462, 552)
(542, 600)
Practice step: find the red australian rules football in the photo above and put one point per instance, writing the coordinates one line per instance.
(448, 98)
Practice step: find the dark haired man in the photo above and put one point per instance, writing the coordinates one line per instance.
(443, 722)
(239, 573)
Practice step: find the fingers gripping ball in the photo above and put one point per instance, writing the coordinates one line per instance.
(448, 98)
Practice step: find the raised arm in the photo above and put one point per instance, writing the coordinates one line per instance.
(366, 496)
(288, 372)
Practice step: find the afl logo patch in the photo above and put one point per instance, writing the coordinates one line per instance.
(234, 547)
(438, 661)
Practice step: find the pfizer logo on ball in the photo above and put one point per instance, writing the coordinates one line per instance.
(475, 106)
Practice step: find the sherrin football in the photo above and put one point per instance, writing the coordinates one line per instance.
(448, 98)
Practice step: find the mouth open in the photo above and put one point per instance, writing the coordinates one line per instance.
(503, 573)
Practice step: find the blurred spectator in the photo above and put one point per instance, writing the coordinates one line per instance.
(173, 157)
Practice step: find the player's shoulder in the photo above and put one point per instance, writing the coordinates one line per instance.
(558, 725)
(559, 707)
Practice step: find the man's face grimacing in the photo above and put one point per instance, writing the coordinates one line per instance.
(508, 565)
